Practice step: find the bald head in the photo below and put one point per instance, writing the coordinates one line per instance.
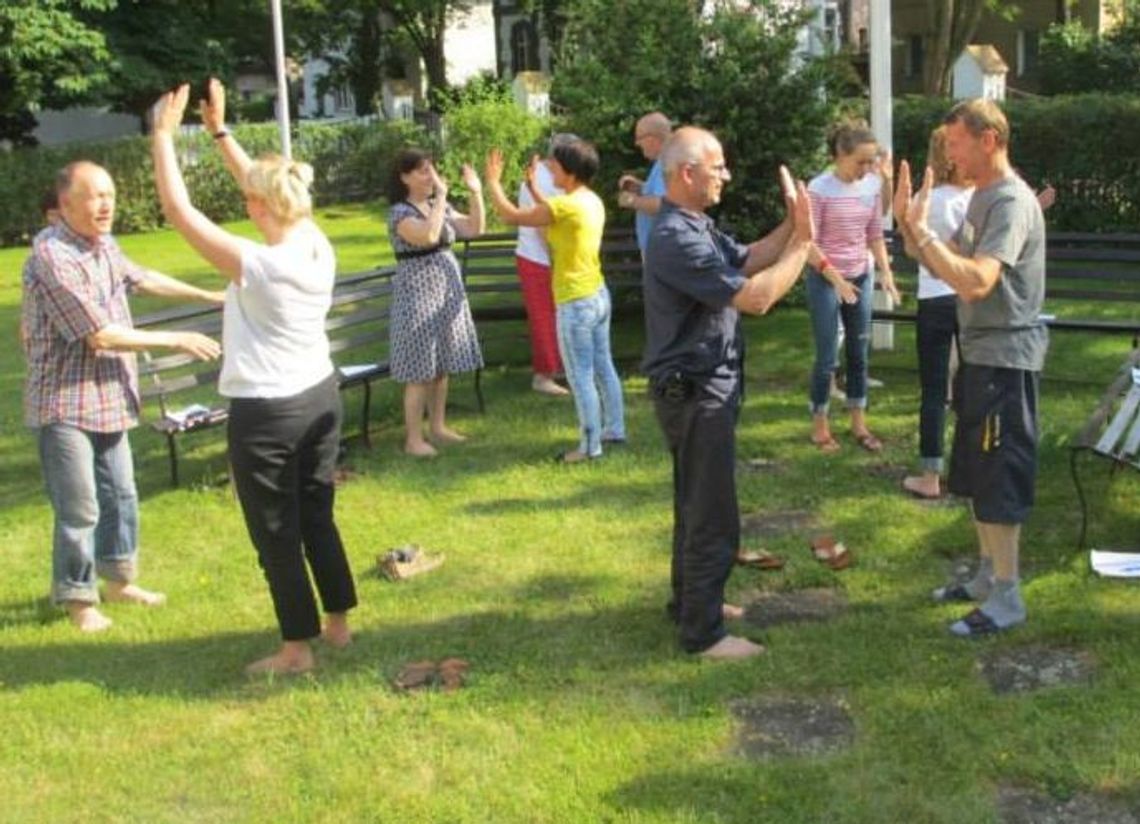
(86, 198)
(651, 133)
(695, 172)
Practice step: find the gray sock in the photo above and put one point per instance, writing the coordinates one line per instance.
(1004, 605)
(982, 583)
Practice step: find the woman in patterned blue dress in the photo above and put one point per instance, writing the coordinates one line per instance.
(432, 332)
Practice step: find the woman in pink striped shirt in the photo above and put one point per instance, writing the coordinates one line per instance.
(847, 208)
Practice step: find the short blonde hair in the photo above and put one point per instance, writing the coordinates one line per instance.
(282, 185)
(936, 158)
(980, 114)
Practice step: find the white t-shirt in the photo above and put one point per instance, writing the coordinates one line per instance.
(947, 213)
(532, 241)
(274, 343)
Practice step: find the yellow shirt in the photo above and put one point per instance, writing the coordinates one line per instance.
(575, 240)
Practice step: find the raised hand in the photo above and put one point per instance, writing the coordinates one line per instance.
(903, 190)
(213, 108)
(886, 166)
(197, 345)
(471, 180)
(493, 169)
(439, 185)
(798, 205)
(169, 109)
(918, 209)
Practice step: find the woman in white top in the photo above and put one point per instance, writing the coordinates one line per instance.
(937, 322)
(285, 413)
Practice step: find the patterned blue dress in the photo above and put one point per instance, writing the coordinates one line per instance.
(432, 332)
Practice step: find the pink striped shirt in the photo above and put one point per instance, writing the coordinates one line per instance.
(848, 218)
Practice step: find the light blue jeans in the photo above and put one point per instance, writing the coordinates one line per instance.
(90, 481)
(827, 311)
(584, 343)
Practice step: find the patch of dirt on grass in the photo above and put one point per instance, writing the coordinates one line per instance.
(768, 609)
(1021, 806)
(769, 727)
(1036, 666)
(766, 525)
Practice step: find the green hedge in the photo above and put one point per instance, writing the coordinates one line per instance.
(1081, 144)
(350, 161)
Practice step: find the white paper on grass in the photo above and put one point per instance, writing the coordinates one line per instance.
(1115, 564)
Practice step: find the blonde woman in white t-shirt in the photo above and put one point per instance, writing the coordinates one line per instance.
(937, 321)
(284, 424)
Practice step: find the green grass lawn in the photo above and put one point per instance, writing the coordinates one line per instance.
(579, 708)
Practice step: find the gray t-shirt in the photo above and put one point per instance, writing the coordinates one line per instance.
(1004, 221)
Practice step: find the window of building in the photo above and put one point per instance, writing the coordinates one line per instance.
(524, 47)
(914, 56)
(1028, 41)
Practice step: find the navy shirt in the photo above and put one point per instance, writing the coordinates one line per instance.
(692, 273)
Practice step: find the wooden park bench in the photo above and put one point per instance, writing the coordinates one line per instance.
(1112, 431)
(1080, 266)
(185, 389)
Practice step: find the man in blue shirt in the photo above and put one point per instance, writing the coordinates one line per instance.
(697, 281)
(644, 196)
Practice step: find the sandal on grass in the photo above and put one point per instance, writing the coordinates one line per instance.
(407, 561)
(953, 594)
(416, 675)
(974, 625)
(869, 442)
(452, 673)
(760, 559)
(831, 553)
(828, 446)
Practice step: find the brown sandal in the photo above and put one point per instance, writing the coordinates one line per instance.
(452, 673)
(831, 553)
(760, 559)
(828, 446)
(869, 442)
(417, 675)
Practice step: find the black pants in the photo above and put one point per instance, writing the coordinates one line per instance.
(283, 452)
(937, 329)
(700, 432)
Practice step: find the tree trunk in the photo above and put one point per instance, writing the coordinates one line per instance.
(953, 24)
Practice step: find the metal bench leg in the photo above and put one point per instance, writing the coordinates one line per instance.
(366, 416)
(1080, 497)
(172, 450)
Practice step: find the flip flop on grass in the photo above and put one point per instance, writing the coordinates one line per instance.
(831, 553)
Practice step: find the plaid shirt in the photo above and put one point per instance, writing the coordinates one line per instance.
(72, 289)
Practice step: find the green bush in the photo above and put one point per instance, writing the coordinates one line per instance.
(1073, 142)
(1074, 59)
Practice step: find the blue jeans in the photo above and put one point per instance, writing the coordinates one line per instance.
(584, 343)
(90, 481)
(826, 311)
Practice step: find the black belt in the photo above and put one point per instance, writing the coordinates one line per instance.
(417, 253)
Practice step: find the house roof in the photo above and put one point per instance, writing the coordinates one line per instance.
(533, 81)
(988, 57)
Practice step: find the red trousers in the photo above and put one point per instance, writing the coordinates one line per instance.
(538, 297)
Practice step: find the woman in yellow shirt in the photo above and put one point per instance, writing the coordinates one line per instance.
(574, 222)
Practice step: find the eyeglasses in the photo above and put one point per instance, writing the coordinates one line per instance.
(715, 169)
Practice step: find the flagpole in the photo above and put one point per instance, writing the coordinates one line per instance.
(282, 80)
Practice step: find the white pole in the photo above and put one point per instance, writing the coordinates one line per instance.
(282, 81)
(882, 334)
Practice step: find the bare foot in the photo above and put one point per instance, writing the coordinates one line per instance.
(336, 632)
(572, 457)
(731, 612)
(87, 617)
(293, 658)
(546, 385)
(131, 594)
(420, 449)
(923, 486)
(447, 436)
(733, 648)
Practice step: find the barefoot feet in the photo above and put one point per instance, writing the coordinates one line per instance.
(733, 648)
(731, 612)
(336, 632)
(444, 436)
(294, 658)
(419, 449)
(87, 617)
(117, 592)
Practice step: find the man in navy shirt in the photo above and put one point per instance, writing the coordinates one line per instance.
(697, 281)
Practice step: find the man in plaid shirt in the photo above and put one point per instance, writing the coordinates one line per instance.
(81, 392)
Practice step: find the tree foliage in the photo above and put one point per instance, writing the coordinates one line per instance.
(731, 68)
(48, 57)
(1074, 59)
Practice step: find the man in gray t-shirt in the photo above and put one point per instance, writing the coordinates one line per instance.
(996, 265)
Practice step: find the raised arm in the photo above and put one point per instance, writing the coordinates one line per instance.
(474, 223)
(509, 213)
(156, 283)
(765, 288)
(427, 231)
(213, 112)
(219, 247)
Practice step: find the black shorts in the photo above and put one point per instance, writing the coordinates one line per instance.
(994, 459)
